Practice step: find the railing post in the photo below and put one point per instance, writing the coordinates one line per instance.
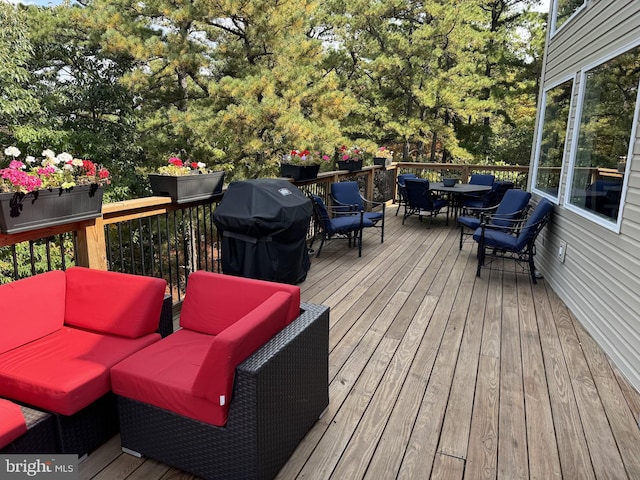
(466, 174)
(92, 247)
(370, 183)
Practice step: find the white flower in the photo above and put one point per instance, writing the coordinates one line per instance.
(12, 152)
(29, 159)
(76, 162)
(48, 154)
(64, 157)
(201, 165)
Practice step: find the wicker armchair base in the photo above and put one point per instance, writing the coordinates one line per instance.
(280, 391)
(40, 436)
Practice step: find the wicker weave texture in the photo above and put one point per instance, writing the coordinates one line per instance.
(279, 393)
(89, 428)
(40, 436)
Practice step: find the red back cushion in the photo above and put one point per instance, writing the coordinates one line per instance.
(213, 301)
(115, 303)
(214, 380)
(31, 308)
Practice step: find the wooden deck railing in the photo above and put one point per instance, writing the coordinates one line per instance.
(152, 236)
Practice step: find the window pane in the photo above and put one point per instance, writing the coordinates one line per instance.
(554, 134)
(566, 8)
(606, 123)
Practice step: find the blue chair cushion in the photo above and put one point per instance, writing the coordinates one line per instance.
(496, 239)
(482, 179)
(476, 202)
(469, 222)
(373, 216)
(439, 203)
(349, 223)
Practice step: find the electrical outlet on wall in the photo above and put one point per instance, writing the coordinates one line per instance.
(562, 250)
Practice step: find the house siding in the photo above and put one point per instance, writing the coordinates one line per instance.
(600, 277)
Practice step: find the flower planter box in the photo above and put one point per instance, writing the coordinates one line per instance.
(382, 161)
(20, 212)
(299, 172)
(187, 188)
(351, 166)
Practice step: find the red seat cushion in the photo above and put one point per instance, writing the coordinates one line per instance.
(192, 373)
(163, 375)
(112, 302)
(214, 301)
(12, 423)
(31, 308)
(66, 370)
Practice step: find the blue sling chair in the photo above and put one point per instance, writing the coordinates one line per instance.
(517, 242)
(342, 226)
(513, 206)
(346, 200)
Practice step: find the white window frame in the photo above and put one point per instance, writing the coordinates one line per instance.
(554, 13)
(565, 152)
(603, 222)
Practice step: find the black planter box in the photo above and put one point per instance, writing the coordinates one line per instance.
(351, 166)
(20, 212)
(382, 161)
(299, 172)
(187, 188)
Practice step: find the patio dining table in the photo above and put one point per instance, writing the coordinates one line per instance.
(457, 192)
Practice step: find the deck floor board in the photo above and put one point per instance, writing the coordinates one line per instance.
(435, 373)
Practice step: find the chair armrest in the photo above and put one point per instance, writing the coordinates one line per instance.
(373, 203)
(479, 211)
(339, 208)
(286, 381)
(237, 342)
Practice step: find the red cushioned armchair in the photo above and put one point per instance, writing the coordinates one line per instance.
(232, 393)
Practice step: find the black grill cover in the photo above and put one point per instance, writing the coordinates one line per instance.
(263, 224)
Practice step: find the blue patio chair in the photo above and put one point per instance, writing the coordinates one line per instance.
(482, 179)
(517, 242)
(513, 207)
(341, 226)
(402, 190)
(421, 200)
(478, 179)
(346, 199)
(490, 199)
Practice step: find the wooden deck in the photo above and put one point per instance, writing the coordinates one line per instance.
(438, 374)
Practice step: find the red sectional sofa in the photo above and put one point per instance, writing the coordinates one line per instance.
(231, 393)
(62, 333)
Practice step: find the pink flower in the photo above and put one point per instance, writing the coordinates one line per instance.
(16, 165)
(175, 161)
